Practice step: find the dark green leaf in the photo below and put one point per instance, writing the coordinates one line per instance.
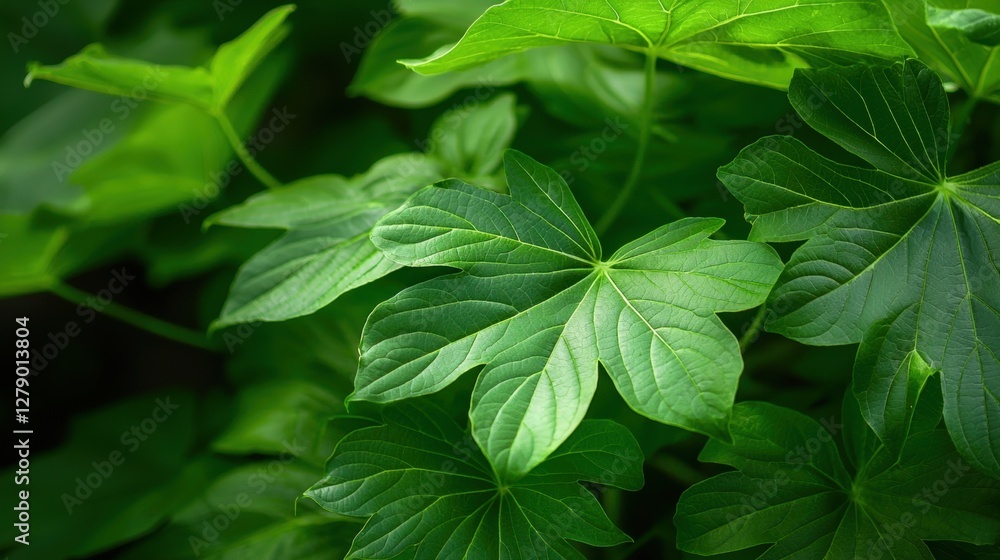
(900, 257)
(429, 493)
(123, 470)
(948, 48)
(280, 417)
(792, 489)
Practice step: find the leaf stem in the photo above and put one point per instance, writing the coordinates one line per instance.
(750, 336)
(645, 126)
(241, 152)
(135, 318)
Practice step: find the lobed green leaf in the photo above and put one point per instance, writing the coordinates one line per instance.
(536, 304)
(428, 493)
(791, 489)
(759, 43)
(899, 257)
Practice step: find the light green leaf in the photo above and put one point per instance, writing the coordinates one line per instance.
(172, 155)
(237, 59)
(470, 142)
(938, 30)
(979, 26)
(424, 27)
(36, 252)
(155, 168)
(446, 12)
(381, 78)
(880, 241)
(96, 70)
(759, 43)
(537, 304)
(429, 493)
(326, 251)
(791, 488)
(26, 253)
(207, 89)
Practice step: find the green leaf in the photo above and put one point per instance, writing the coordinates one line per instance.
(939, 32)
(979, 26)
(265, 519)
(959, 551)
(26, 254)
(207, 89)
(281, 416)
(535, 301)
(309, 537)
(429, 493)
(110, 484)
(381, 78)
(428, 26)
(889, 380)
(321, 348)
(96, 70)
(791, 488)
(445, 12)
(470, 142)
(37, 251)
(29, 148)
(900, 258)
(756, 43)
(236, 60)
(326, 251)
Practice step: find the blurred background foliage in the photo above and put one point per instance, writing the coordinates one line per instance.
(257, 408)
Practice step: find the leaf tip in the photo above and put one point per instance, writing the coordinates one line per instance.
(32, 69)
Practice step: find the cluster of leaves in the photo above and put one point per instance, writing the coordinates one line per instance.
(894, 253)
